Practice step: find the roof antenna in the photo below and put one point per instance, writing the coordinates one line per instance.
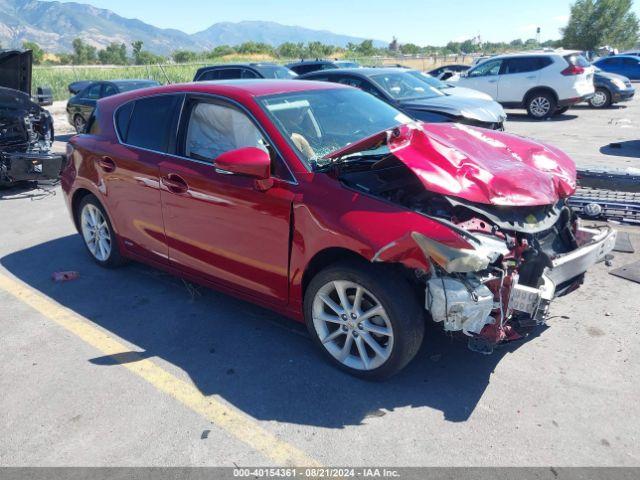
(165, 74)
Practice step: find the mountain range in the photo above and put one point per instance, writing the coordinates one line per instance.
(54, 26)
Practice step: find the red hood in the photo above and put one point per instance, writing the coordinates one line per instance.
(483, 166)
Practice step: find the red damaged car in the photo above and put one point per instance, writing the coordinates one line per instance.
(326, 204)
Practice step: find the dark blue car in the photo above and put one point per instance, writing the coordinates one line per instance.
(627, 65)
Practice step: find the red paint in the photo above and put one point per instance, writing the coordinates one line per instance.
(256, 238)
(250, 161)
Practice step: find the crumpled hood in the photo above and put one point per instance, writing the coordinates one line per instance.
(478, 165)
(479, 109)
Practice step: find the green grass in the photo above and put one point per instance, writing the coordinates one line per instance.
(58, 78)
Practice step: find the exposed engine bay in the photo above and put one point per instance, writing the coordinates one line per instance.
(26, 136)
(521, 257)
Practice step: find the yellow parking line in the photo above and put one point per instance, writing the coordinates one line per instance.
(233, 421)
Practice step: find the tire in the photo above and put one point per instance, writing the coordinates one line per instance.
(398, 329)
(561, 110)
(541, 105)
(79, 123)
(94, 223)
(601, 99)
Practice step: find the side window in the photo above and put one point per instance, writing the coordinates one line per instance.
(123, 117)
(302, 69)
(92, 92)
(630, 62)
(487, 68)
(246, 73)
(93, 126)
(327, 66)
(520, 65)
(209, 75)
(109, 90)
(151, 121)
(214, 129)
(230, 74)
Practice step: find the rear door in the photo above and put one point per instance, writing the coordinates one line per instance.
(484, 78)
(518, 75)
(130, 172)
(631, 68)
(220, 226)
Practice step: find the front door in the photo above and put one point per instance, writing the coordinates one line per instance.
(484, 78)
(221, 226)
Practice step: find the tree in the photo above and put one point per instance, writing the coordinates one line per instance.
(595, 23)
(366, 49)
(184, 56)
(83, 54)
(409, 49)
(221, 51)
(113, 54)
(37, 52)
(136, 50)
(291, 50)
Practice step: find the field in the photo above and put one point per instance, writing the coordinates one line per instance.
(59, 77)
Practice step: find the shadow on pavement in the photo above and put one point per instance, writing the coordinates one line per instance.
(629, 148)
(523, 117)
(261, 363)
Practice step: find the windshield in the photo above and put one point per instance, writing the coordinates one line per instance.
(276, 71)
(403, 86)
(128, 86)
(320, 122)
(428, 79)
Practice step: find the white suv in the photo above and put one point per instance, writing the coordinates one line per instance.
(545, 83)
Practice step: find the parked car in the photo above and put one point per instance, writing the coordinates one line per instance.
(634, 53)
(243, 70)
(308, 66)
(448, 71)
(26, 129)
(81, 106)
(545, 83)
(415, 97)
(610, 88)
(448, 88)
(332, 207)
(627, 65)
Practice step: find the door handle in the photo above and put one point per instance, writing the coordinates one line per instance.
(175, 183)
(106, 164)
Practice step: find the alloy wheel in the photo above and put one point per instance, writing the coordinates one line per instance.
(95, 231)
(599, 99)
(79, 124)
(540, 106)
(352, 325)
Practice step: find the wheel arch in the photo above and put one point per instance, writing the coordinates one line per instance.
(76, 199)
(540, 89)
(326, 257)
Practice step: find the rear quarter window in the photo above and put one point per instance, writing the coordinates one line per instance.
(151, 122)
(123, 116)
(577, 60)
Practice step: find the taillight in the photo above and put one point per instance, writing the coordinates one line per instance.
(573, 70)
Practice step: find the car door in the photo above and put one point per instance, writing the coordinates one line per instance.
(484, 77)
(631, 68)
(611, 64)
(146, 130)
(224, 227)
(87, 100)
(517, 76)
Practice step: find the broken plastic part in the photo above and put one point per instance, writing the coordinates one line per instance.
(460, 306)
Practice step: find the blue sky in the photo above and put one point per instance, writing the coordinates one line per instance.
(433, 22)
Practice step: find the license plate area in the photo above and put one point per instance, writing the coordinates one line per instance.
(524, 299)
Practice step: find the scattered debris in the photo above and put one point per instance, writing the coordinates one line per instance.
(629, 272)
(436, 357)
(623, 243)
(192, 289)
(376, 414)
(65, 276)
(205, 434)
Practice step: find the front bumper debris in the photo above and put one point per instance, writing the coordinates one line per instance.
(25, 166)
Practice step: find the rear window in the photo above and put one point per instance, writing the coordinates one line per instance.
(525, 64)
(149, 124)
(577, 60)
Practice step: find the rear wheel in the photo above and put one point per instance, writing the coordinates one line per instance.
(541, 105)
(98, 234)
(601, 99)
(79, 123)
(366, 320)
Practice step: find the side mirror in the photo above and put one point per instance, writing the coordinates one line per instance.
(249, 161)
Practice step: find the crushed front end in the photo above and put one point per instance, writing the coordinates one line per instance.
(522, 258)
(26, 137)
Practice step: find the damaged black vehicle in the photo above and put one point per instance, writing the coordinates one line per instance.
(26, 129)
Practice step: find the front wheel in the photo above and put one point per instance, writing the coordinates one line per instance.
(367, 320)
(600, 99)
(541, 105)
